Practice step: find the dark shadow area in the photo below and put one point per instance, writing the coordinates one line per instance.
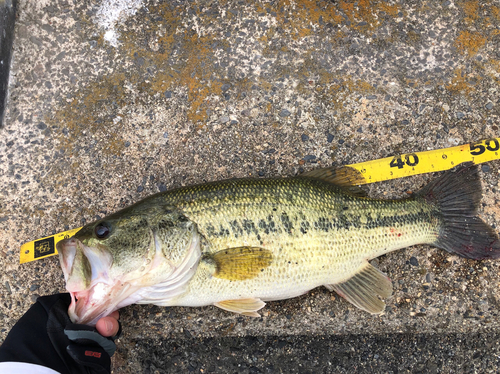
(395, 353)
(7, 20)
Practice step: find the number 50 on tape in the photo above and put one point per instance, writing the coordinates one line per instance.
(426, 162)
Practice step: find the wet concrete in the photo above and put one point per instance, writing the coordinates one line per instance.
(111, 104)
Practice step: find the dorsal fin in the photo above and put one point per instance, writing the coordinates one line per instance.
(346, 177)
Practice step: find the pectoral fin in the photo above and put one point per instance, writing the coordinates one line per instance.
(240, 263)
(364, 289)
(247, 307)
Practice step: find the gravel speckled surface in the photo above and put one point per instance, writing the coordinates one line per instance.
(395, 353)
(105, 111)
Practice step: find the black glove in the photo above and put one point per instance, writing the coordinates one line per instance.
(45, 336)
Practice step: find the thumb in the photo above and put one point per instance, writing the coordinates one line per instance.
(107, 326)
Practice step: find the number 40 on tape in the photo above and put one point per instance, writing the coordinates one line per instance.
(426, 162)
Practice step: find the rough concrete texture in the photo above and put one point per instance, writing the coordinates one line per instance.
(107, 107)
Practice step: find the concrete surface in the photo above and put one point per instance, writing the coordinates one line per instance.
(114, 100)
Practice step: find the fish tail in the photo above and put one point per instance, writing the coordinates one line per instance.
(457, 195)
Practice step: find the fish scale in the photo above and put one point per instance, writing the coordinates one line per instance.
(331, 250)
(237, 243)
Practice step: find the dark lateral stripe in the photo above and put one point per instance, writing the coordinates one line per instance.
(354, 222)
(325, 224)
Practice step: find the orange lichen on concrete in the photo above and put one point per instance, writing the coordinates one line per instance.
(194, 72)
(363, 87)
(303, 17)
(299, 18)
(495, 64)
(337, 90)
(469, 43)
(315, 10)
(196, 78)
(193, 67)
(493, 70)
(463, 82)
(183, 58)
(391, 10)
(495, 11)
(84, 114)
(368, 11)
(479, 25)
(471, 9)
(359, 12)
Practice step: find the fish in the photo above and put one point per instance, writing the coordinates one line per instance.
(240, 243)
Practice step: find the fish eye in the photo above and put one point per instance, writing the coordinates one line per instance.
(102, 230)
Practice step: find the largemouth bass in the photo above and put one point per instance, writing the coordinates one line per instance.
(238, 243)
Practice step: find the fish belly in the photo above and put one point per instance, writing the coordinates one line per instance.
(306, 264)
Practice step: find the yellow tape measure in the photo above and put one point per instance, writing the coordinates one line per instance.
(426, 162)
(368, 172)
(44, 247)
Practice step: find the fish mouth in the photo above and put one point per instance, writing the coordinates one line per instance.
(87, 273)
(97, 291)
(88, 306)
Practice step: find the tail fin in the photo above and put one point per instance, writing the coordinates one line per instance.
(457, 195)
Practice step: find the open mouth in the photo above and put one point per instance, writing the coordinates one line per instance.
(95, 293)
(86, 271)
(88, 306)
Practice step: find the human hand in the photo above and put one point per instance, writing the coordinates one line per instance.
(108, 326)
(46, 337)
(93, 347)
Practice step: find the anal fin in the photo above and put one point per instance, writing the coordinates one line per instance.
(364, 289)
(247, 307)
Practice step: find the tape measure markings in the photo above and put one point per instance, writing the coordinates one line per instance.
(415, 163)
(44, 247)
